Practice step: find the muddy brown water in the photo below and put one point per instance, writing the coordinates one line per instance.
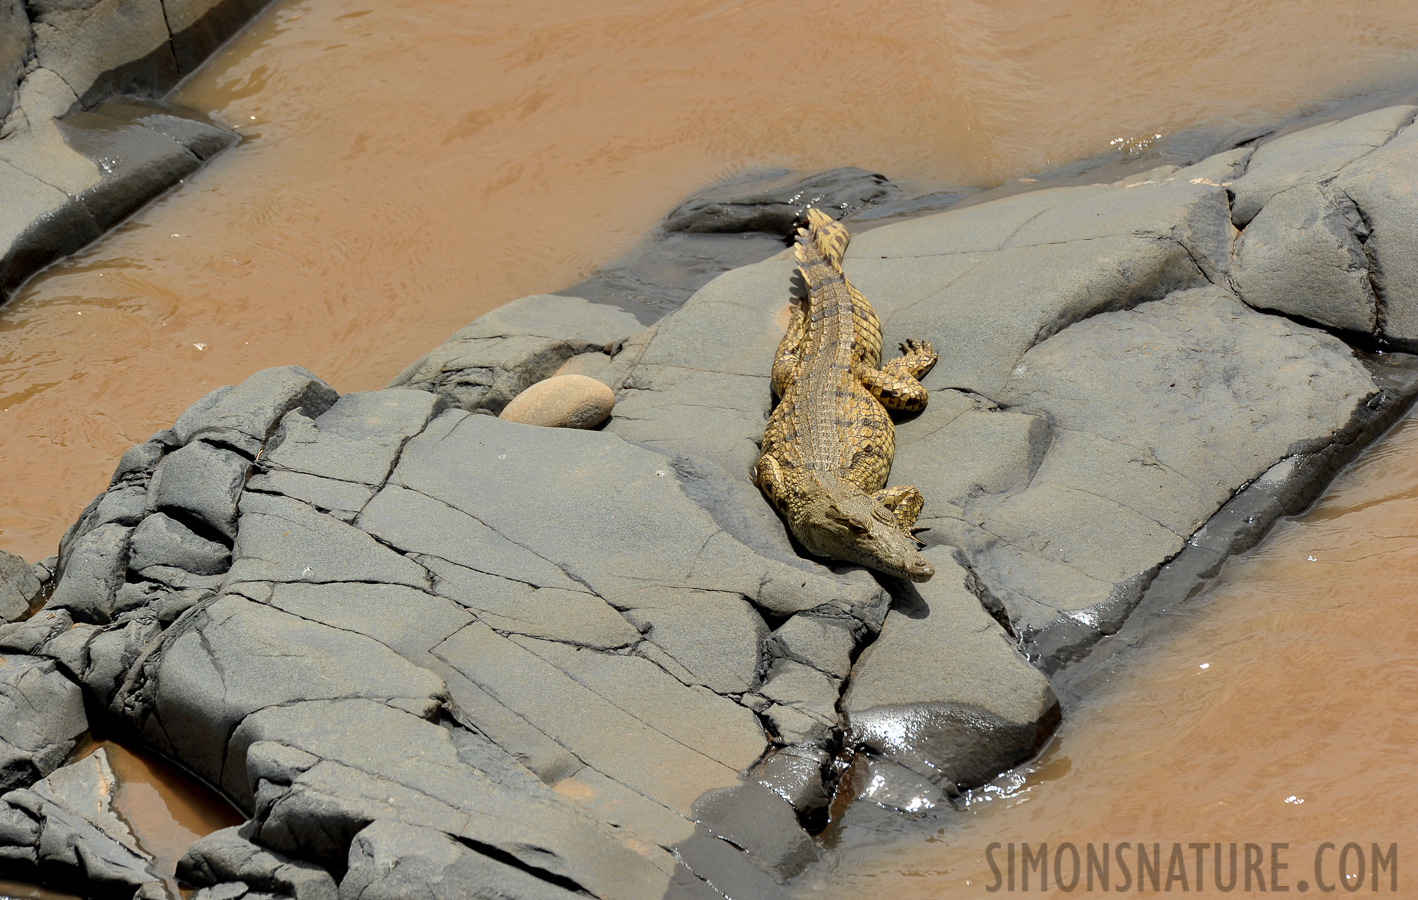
(411, 164)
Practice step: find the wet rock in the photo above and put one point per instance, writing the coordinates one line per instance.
(798, 775)
(943, 691)
(486, 364)
(759, 822)
(18, 587)
(775, 207)
(77, 838)
(41, 715)
(65, 197)
(562, 401)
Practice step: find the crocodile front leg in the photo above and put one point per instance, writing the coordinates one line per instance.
(895, 384)
(904, 501)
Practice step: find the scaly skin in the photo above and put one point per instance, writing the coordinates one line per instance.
(829, 442)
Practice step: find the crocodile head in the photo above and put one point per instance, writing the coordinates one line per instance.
(839, 521)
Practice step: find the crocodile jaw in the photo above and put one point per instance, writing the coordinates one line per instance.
(833, 527)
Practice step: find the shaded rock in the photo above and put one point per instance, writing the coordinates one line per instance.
(200, 484)
(104, 47)
(497, 357)
(943, 691)
(775, 207)
(161, 540)
(41, 715)
(15, 48)
(226, 856)
(18, 587)
(79, 839)
(562, 401)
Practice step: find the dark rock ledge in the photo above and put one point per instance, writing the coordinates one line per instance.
(436, 654)
(84, 139)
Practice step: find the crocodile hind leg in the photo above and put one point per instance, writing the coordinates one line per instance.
(903, 500)
(895, 384)
(768, 475)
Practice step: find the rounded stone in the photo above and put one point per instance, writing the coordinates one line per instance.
(562, 401)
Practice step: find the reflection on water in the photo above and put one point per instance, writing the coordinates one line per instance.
(411, 164)
(1278, 707)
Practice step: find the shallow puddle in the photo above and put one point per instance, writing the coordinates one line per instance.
(1278, 707)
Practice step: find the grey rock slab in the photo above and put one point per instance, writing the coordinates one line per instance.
(160, 540)
(982, 322)
(283, 540)
(243, 416)
(1196, 394)
(538, 487)
(341, 499)
(18, 587)
(80, 837)
(321, 781)
(517, 607)
(1311, 155)
(1303, 254)
(776, 208)
(226, 856)
(393, 861)
(418, 523)
(943, 690)
(809, 693)
(201, 483)
(233, 657)
(656, 743)
(408, 621)
(357, 439)
(41, 715)
(678, 621)
(38, 217)
(501, 354)
(826, 643)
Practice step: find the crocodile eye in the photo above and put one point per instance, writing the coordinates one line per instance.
(857, 526)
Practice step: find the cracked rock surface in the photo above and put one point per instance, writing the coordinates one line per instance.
(433, 653)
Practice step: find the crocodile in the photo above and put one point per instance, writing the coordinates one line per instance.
(829, 443)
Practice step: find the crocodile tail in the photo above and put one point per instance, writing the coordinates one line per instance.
(824, 236)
